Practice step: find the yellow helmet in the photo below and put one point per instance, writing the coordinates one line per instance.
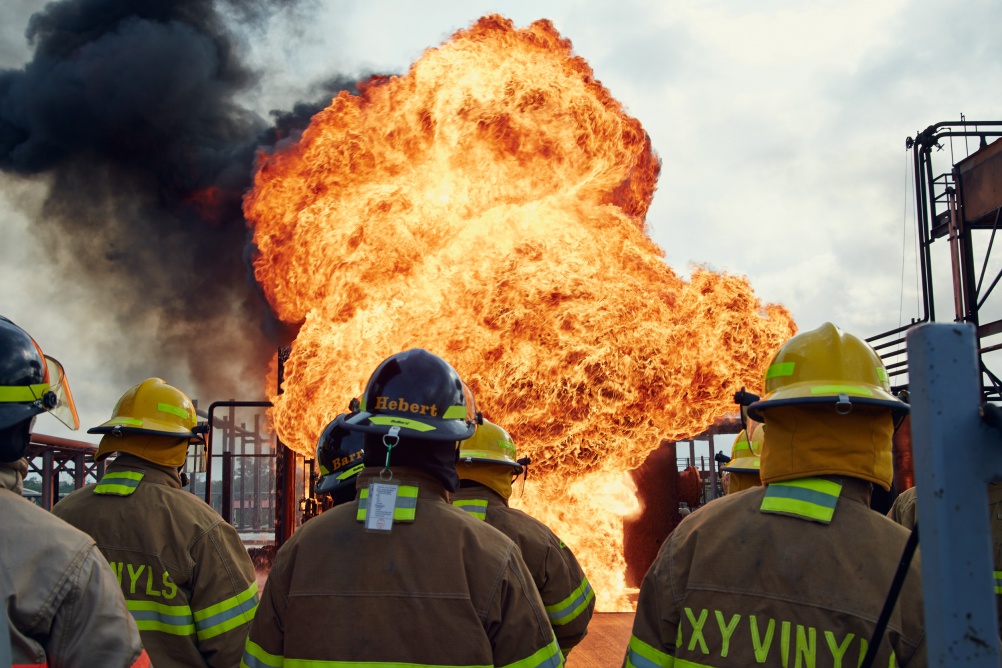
(488, 457)
(827, 366)
(490, 444)
(152, 420)
(743, 458)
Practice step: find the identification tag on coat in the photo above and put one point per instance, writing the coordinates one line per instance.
(382, 504)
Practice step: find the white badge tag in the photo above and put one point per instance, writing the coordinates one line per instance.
(382, 503)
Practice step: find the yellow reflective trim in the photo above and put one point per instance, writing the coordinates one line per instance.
(231, 602)
(256, 657)
(127, 421)
(324, 470)
(841, 389)
(10, 394)
(173, 410)
(455, 412)
(548, 656)
(349, 473)
(641, 655)
(400, 422)
(571, 607)
(152, 616)
(475, 507)
(779, 370)
(882, 374)
(821, 485)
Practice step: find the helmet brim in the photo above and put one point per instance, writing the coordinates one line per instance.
(12, 414)
(896, 406)
(428, 428)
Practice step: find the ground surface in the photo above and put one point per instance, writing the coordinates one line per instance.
(605, 644)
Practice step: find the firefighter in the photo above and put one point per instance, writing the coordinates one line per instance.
(339, 453)
(486, 468)
(62, 602)
(815, 563)
(743, 468)
(187, 578)
(415, 581)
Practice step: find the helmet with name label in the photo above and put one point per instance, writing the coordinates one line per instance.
(339, 454)
(420, 394)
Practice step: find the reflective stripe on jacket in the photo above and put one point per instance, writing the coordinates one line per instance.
(739, 585)
(61, 598)
(566, 592)
(186, 576)
(441, 590)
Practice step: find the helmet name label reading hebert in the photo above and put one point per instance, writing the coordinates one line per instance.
(401, 404)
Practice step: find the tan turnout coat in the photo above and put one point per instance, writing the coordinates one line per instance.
(736, 586)
(186, 576)
(439, 589)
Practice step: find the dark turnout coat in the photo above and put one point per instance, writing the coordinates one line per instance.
(795, 577)
(440, 588)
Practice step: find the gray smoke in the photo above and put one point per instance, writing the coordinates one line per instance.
(130, 111)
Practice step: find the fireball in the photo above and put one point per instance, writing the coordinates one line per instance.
(489, 206)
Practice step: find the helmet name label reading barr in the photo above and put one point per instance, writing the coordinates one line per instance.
(401, 404)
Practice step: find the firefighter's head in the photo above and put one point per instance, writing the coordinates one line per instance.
(152, 420)
(488, 458)
(30, 383)
(828, 408)
(416, 405)
(743, 467)
(339, 454)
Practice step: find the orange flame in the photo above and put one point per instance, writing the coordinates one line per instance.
(490, 206)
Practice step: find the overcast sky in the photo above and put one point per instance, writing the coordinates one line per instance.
(781, 126)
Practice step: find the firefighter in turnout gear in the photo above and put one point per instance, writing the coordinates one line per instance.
(418, 581)
(62, 602)
(815, 564)
(486, 468)
(339, 453)
(187, 578)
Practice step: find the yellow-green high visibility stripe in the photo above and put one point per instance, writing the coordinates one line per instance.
(173, 410)
(998, 582)
(780, 370)
(475, 507)
(882, 374)
(350, 472)
(568, 609)
(810, 498)
(841, 389)
(127, 421)
(119, 483)
(255, 657)
(320, 663)
(455, 412)
(641, 655)
(400, 422)
(10, 394)
(175, 620)
(226, 615)
(403, 512)
(548, 657)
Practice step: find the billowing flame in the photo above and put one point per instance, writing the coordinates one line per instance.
(490, 206)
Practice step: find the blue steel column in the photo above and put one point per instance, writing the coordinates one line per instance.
(956, 456)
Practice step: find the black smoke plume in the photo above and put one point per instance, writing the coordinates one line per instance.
(131, 111)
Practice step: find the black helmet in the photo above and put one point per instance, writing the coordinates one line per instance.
(30, 382)
(339, 453)
(421, 394)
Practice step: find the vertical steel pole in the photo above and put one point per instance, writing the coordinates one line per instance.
(956, 456)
